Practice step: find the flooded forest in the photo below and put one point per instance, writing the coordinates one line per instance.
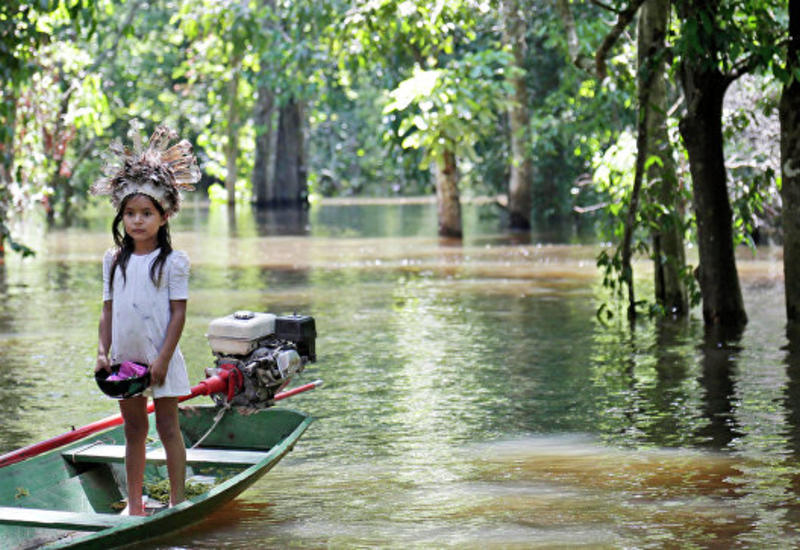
(552, 250)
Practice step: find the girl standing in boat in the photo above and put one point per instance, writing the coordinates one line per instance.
(145, 288)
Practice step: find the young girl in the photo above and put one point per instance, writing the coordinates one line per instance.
(145, 288)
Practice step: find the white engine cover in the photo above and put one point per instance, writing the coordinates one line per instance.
(239, 333)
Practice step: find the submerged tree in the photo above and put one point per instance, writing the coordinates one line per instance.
(449, 75)
(663, 188)
(790, 166)
(294, 49)
(290, 181)
(262, 117)
(654, 162)
(717, 42)
(222, 33)
(519, 185)
(720, 41)
(444, 111)
(704, 85)
(654, 183)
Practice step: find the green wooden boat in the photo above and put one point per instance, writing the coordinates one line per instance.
(67, 497)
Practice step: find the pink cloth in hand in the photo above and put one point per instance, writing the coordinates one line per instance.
(128, 369)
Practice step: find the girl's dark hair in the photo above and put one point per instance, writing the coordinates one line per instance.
(125, 245)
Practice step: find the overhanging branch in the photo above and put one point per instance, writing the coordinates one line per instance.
(624, 18)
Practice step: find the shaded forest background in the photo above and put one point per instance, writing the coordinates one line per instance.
(654, 123)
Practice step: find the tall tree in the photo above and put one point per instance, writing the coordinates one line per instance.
(288, 186)
(718, 42)
(224, 34)
(651, 139)
(519, 185)
(454, 92)
(448, 197)
(444, 111)
(704, 85)
(264, 107)
(667, 232)
(232, 128)
(790, 167)
(294, 50)
(262, 122)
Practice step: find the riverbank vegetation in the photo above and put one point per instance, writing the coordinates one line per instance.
(657, 122)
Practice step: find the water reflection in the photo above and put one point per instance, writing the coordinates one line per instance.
(792, 391)
(649, 395)
(791, 403)
(283, 221)
(671, 394)
(719, 350)
(11, 384)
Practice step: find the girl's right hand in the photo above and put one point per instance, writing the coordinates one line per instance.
(103, 362)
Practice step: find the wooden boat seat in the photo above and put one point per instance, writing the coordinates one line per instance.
(200, 456)
(58, 519)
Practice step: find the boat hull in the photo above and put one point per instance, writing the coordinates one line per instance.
(86, 478)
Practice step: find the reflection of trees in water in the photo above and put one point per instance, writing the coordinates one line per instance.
(281, 221)
(719, 349)
(61, 277)
(791, 403)
(667, 395)
(659, 391)
(792, 390)
(655, 392)
(649, 395)
(12, 435)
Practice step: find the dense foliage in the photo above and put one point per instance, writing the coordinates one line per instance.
(173, 61)
(384, 87)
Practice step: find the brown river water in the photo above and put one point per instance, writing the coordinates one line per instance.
(471, 400)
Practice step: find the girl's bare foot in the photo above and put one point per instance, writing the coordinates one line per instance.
(127, 511)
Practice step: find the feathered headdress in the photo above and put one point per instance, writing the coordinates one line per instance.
(156, 171)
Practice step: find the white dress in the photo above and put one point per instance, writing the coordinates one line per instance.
(141, 313)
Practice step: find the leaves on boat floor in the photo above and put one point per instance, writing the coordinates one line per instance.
(160, 491)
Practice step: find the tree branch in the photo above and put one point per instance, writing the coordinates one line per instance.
(623, 20)
(573, 42)
(604, 6)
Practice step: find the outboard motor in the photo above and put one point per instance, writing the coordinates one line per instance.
(266, 350)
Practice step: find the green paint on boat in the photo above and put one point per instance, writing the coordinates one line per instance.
(69, 497)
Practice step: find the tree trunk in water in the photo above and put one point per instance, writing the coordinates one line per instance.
(62, 190)
(8, 117)
(790, 170)
(289, 184)
(262, 119)
(448, 203)
(701, 128)
(668, 252)
(232, 147)
(66, 205)
(519, 187)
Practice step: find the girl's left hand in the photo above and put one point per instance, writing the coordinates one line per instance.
(158, 372)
